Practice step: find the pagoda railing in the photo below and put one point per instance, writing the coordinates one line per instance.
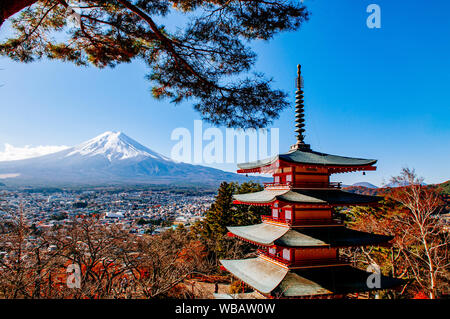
(300, 222)
(336, 185)
(276, 184)
(274, 257)
(308, 262)
(276, 219)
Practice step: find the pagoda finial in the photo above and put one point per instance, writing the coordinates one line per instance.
(299, 114)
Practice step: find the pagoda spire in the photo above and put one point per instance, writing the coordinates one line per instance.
(299, 115)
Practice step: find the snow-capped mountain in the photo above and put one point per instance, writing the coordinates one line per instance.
(114, 146)
(110, 158)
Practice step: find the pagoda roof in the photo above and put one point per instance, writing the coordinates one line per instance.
(307, 196)
(338, 280)
(268, 235)
(264, 234)
(257, 272)
(270, 278)
(309, 157)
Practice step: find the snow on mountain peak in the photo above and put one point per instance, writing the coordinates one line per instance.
(114, 146)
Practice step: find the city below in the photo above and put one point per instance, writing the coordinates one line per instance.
(149, 211)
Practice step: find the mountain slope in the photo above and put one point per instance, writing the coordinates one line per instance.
(110, 158)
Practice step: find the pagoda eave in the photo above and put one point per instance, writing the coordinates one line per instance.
(272, 279)
(314, 197)
(270, 235)
(299, 205)
(332, 168)
(230, 234)
(238, 202)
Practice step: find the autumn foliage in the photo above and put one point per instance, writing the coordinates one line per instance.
(112, 262)
(419, 251)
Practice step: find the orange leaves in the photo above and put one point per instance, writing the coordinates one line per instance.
(195, 250)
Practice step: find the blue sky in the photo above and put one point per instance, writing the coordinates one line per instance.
(375, 93)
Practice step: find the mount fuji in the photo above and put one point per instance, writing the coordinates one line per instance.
(111, 158)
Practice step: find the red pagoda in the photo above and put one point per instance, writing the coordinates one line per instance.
(298, 255)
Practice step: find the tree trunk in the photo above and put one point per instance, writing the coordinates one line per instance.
(430, 266)
(11, 7)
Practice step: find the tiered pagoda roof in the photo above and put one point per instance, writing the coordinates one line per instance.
(309, 158)
(270, 278)
(299, 243)
(265, 234)
(332, 197)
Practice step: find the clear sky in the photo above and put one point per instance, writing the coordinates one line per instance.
(376, 93)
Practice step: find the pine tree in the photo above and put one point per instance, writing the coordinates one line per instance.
(220, 214)
(206, 60)
(212, 229)
(247, 214)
